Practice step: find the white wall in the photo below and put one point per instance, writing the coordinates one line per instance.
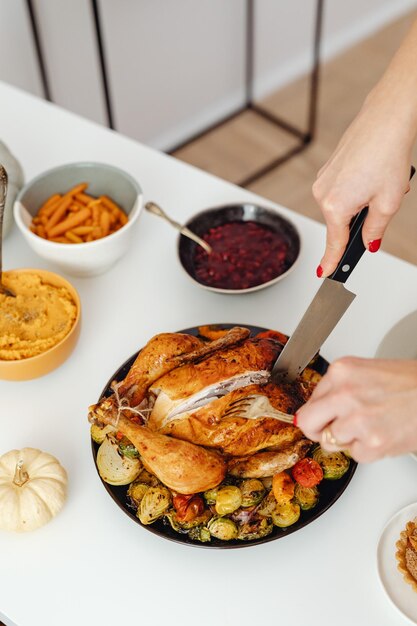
(71, 56)
(17, 62)
(175, 66)
(284, 33)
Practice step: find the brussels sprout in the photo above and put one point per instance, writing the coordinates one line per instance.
(210, 495)
(99, 434)
(149, 479)
(200, 533)
(222, 528)
(285, 514)
(333, 464)
(127, 448)
(283, 487)
(228, 500)
(252, 491)
(136, 492)
(153, 504)
(255, 529)
(306, 497)
(114, 468)
(171, 516)
(267, 505)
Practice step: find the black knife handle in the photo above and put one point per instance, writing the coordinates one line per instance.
(354, 249)
(355, 246)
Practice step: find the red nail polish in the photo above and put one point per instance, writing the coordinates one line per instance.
(295, 419)
(319, 271)
(374, 245)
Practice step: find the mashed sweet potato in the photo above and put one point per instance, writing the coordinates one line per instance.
(38, 318)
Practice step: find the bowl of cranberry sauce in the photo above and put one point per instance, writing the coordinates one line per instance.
(252, 247)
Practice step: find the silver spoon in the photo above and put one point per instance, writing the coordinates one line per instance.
(3, 194)
(156, 210)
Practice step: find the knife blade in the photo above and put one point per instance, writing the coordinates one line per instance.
(328, 306)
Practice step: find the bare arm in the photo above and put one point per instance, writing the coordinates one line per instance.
(371, 163)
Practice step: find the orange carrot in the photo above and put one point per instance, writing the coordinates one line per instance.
(76, 219)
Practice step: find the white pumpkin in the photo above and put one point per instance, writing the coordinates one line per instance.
(33, 488)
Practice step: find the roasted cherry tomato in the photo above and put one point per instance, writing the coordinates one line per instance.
(188, 507)
(307, 472)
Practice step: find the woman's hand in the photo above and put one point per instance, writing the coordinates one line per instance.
(370, 405)
(370, 167)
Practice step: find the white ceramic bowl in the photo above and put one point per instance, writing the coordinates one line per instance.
(84, 259)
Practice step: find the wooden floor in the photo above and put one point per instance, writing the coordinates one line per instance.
(235, 150)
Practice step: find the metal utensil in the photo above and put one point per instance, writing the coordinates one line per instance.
(326, 309)
(156, 210)
(3, 194)
(241, 408)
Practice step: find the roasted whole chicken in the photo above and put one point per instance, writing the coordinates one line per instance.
(196, 410)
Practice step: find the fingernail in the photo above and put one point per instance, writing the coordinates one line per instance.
(319, 271)
(374, 245)
(295, 419)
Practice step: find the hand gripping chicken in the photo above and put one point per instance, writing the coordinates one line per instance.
(196, 410)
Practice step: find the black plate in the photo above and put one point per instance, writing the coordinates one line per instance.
(330, 490)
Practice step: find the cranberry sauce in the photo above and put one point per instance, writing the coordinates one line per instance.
(245, 254)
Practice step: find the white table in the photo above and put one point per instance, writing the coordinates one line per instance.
(92, 564)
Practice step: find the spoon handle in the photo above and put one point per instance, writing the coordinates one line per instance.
(3, 194)
(155, 209)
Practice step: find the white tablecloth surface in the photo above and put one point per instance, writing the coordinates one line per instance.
(92, 564)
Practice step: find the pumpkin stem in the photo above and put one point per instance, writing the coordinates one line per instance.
(20, 475)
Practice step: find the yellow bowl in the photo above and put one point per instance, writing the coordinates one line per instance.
(41, 364)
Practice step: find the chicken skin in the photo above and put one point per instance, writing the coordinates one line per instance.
(195, 384)
(221, 424)
(180, 465)
(268, 462)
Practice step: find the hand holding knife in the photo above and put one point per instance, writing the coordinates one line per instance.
(326, 309)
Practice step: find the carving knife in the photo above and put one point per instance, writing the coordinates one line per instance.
(326, 309)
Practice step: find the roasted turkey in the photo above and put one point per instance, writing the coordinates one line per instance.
(181, 406)
(163, 353)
